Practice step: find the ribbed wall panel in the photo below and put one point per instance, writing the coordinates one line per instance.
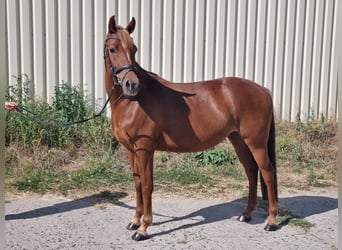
(287, 46)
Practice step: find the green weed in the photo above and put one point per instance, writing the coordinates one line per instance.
(222, 161)
(215, 156)
(285, 216)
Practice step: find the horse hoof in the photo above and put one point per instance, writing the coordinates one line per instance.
(271, 227)
(132, 226)
(139, 237)
(244, 218)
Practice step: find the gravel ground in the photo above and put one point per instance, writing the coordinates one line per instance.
(48, 222)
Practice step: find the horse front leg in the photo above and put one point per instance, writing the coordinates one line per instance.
(143, 163)
(135, 223)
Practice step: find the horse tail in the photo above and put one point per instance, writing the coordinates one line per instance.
(272, 155)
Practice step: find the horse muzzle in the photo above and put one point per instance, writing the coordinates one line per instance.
(130, 87)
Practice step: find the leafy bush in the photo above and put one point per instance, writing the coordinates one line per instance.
(222, 161)
(43, 123)
(69, 102)
(215, 156)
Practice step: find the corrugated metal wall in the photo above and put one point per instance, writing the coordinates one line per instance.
(286, 45)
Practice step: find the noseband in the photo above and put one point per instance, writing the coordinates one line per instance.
(115, 71)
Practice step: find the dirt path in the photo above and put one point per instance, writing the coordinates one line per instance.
(179, 223)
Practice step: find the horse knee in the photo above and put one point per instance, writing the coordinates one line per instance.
(137, 183)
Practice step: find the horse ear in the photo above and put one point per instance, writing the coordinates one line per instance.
(130, 27)
(112, 25)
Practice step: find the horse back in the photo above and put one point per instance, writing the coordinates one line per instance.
(195, 116)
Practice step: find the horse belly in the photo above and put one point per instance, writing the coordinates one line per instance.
(198, 138)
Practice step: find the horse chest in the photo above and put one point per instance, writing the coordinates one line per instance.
(131, 129)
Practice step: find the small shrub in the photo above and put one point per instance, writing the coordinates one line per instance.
(221, 161)
(215, 156)
(69, 102)
(43, 124)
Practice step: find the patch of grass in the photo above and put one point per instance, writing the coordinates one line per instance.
(285, 217)
(316, 129)
(234, 171)
(289, 148)
(306, 153)
(184, 175)
(99, 176)
(64, 181)
(37, 181)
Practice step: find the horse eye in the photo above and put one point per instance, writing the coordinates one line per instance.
(112, 50)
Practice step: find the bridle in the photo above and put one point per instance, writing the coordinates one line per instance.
(115, 71)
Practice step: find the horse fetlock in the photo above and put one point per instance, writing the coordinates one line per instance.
(273, 213)
(249, 210)
(147, 221)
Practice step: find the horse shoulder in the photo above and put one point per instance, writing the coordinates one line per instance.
(131, 125)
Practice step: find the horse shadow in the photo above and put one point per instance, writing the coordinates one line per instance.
(67, 206)
(298, 206)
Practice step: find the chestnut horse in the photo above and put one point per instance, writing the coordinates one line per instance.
(149, 113)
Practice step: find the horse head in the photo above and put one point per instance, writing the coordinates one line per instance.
(119, 53)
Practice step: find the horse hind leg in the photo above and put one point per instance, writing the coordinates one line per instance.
(251, 168)
(268, 171)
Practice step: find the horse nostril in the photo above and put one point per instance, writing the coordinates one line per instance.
(130, 84)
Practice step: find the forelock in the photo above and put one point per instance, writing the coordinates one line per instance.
(126, 39)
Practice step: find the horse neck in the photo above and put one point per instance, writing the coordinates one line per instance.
(149, 78)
